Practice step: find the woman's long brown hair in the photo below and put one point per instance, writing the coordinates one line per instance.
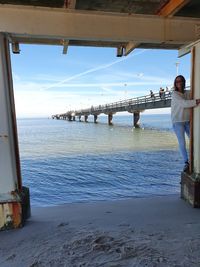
(183, 83)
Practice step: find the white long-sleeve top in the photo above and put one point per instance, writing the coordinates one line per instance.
(180, 106)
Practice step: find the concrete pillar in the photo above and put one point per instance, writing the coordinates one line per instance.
(136, 118)
(79, 117)
(110, 117)
(11, 191)
(196, 114)
(190, 183)
(74, 118)
(95, 118)
(86, 118)
(69, 117)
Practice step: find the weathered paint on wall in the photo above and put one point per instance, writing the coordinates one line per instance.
(10, 215)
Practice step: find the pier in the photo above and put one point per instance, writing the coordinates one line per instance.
(132, 105)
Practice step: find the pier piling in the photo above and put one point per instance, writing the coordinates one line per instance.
(136, 118)
(95, 118)
(110, 117)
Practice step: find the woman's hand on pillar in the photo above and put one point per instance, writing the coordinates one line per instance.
(197, 101)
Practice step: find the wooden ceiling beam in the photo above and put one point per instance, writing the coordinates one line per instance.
(172, 7)
(51, 24)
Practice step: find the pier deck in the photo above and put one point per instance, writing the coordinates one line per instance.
(132, 105)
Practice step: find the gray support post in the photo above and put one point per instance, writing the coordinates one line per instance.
(12, 195)
(136, 118)
(196, 123)
(110, 117)
(190, 182)
(79, 117)
(86, 118)
(95, 118)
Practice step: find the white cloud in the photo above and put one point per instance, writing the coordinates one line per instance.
(145, 81)
(31, 100)
(15, 77)
(101, 67)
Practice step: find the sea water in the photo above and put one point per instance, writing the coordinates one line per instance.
(65, 162)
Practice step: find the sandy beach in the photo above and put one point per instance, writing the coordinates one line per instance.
(159, 231)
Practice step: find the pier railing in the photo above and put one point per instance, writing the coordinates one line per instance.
(132, 104)
(137, 104)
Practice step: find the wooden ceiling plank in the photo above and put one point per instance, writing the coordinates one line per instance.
(130, 47)
(186, 49)
(65, 46)
(172, 7)
(71, 4)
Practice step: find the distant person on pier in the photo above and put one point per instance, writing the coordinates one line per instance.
(162, 93)
(152, 94)
(181, 105)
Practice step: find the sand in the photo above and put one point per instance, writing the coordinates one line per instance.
(159, 231)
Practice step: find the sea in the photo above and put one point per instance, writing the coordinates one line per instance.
(71, 161)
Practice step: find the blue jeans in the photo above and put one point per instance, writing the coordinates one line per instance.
(180, 128)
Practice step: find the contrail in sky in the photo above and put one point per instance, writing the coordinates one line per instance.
(93, 70)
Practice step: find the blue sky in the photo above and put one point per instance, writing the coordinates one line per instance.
(47, 82)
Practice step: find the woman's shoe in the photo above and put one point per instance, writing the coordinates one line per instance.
(186, 167)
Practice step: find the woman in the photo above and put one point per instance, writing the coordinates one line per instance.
(180, 114)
